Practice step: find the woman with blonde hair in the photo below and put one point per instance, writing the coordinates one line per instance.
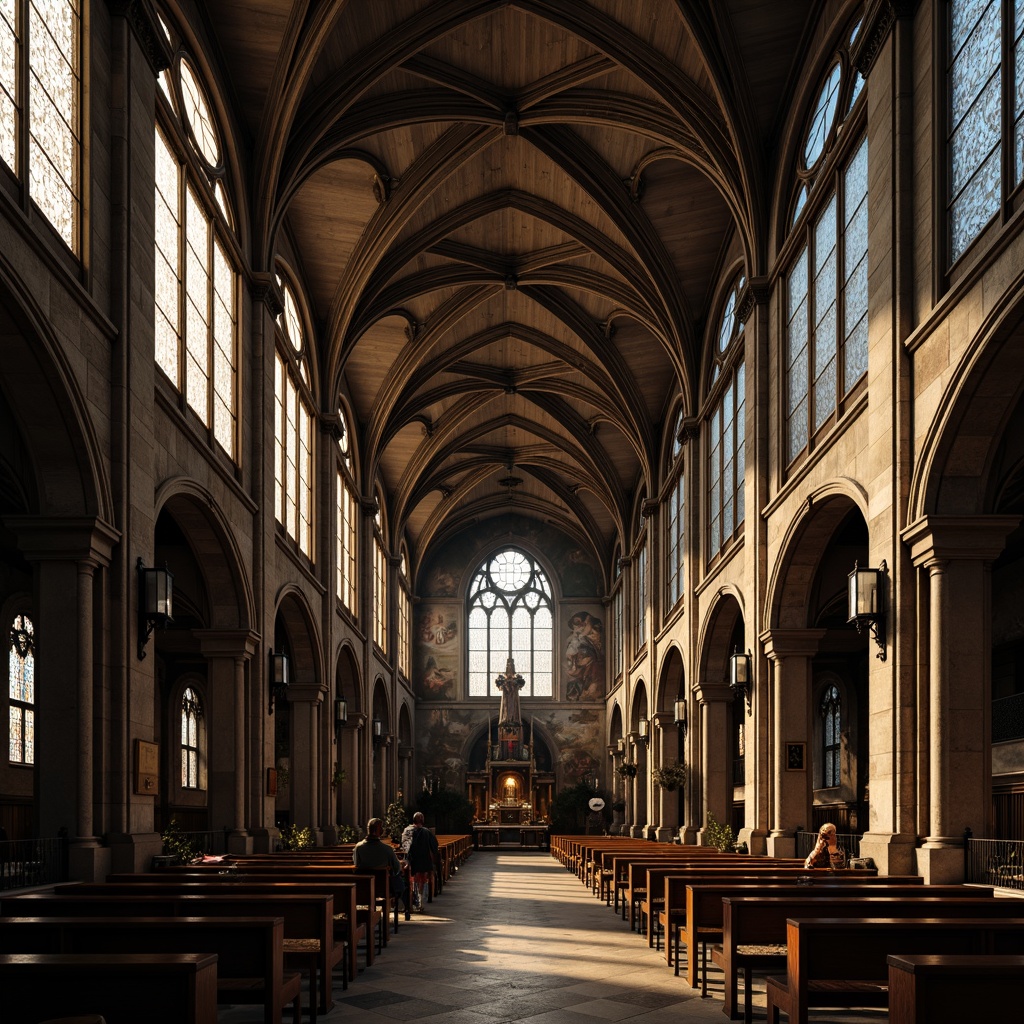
(826, 853)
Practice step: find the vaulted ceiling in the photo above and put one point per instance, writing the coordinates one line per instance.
(510, 218)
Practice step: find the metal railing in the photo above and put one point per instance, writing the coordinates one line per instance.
(846, 841)
(1008, 718)
(25, 863)
(998, 862)
(210, 844)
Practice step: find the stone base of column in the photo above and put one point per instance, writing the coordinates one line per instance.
(781, 844)
(636, 831)
(265, 840)
(663, 834)
(239, 841)
(87, 860)
(941, 862)
(688, 835)
(893, 854)
(132, 852)
(756, 840)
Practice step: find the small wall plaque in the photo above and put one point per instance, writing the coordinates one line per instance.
(795, 757)
(147, 768)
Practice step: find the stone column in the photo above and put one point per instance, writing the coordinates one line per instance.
(306, 700)
(637, 804)
(668, 746)
(716, 754)
(791, 652)
(228, 652)
(957, 553)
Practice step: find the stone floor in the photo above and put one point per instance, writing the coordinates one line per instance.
(514, 937)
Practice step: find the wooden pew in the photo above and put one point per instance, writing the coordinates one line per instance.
(36, 986)
(753, 927)
(347, 928)
(675, 918)
(844, 961)
(927, 989)
(249, 950)
(310, 918)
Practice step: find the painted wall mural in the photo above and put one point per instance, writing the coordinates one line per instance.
(577, 737)
(437, 652)
(583, 660)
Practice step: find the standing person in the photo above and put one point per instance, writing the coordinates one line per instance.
(420, 847)
(373, 852)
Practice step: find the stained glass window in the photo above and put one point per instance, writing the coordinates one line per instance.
(21, 674)
(978, 91)
(293, 428)
(674, 536)
(404, 625)
(726, 433)
(40, 131)
(196, 309)
(510, 614)
(346, 539)
(826, 344)
(822, 117)
(618, 623)
(831, 737)
(640, 611)
(191, 713)
(380, 594)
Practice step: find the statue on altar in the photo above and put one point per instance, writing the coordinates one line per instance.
(510, 684)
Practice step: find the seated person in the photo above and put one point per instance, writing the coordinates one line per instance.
(373, 852)
(826, 852)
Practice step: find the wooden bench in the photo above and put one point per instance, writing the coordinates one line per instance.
(249, 950)
(927, 989)
(310, 925)
(843, 962)
(40, 985)
(753, 927)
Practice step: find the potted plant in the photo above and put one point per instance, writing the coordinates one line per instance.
(669, 776)
(627, 770)
(719, 836)
(296, 838)
(395, 819)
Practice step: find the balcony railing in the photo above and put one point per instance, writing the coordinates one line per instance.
(25, 863)
(998, 862)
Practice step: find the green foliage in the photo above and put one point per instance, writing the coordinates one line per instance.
(395, 818)
(295, 837)
(718, 836)
(349, 834)
(570, 810)
(178, 845)
(450, 811)
(627, 770)
(337, 777)
(669, 776)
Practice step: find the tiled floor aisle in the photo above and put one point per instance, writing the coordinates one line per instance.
(514, 937)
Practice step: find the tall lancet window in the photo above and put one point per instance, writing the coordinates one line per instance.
(191, 726)
(831, 714)
(510, 612)
(22, 692)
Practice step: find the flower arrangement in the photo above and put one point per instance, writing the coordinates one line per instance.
(627, 770)
(296, 838)
(178, 845)
(669, 776)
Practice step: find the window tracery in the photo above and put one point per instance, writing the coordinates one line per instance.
(831, 737)
(346, 525)
(191, 717)
(674, 520)
(21, 664)
(510, 614)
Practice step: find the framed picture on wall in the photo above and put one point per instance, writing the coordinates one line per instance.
(795, 756)
(271, 782)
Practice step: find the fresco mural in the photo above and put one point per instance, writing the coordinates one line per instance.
(577, 740)
(441, 739)
(583, 663)
(437, 652)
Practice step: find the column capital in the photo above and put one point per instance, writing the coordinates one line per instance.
(789, 643)
(227, 643)
(306, 693)
(713, 693)
(980, 538)
(51, 538)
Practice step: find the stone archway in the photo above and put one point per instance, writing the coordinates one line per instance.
(668, 742)
(347, 741)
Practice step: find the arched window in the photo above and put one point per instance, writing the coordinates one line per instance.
(831, 714)
(404, 619)
(674, 520)
(984, 95)
(618, 601)
(380, 580)
(196, 301)
(22, 691)
(825, 353)
(346, 539)
(726, 426)
(293, 426)
(40, 120)
(510, 613)
(191, 739)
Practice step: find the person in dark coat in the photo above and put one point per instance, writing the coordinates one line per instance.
(420, 847)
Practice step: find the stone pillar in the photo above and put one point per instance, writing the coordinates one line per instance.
(716, 752)
(669, 748)
(957, 553)
(637, 803)
(228, 652)
(306, 700)
(791, 652)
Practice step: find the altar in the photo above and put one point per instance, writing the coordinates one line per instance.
(495, 836)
